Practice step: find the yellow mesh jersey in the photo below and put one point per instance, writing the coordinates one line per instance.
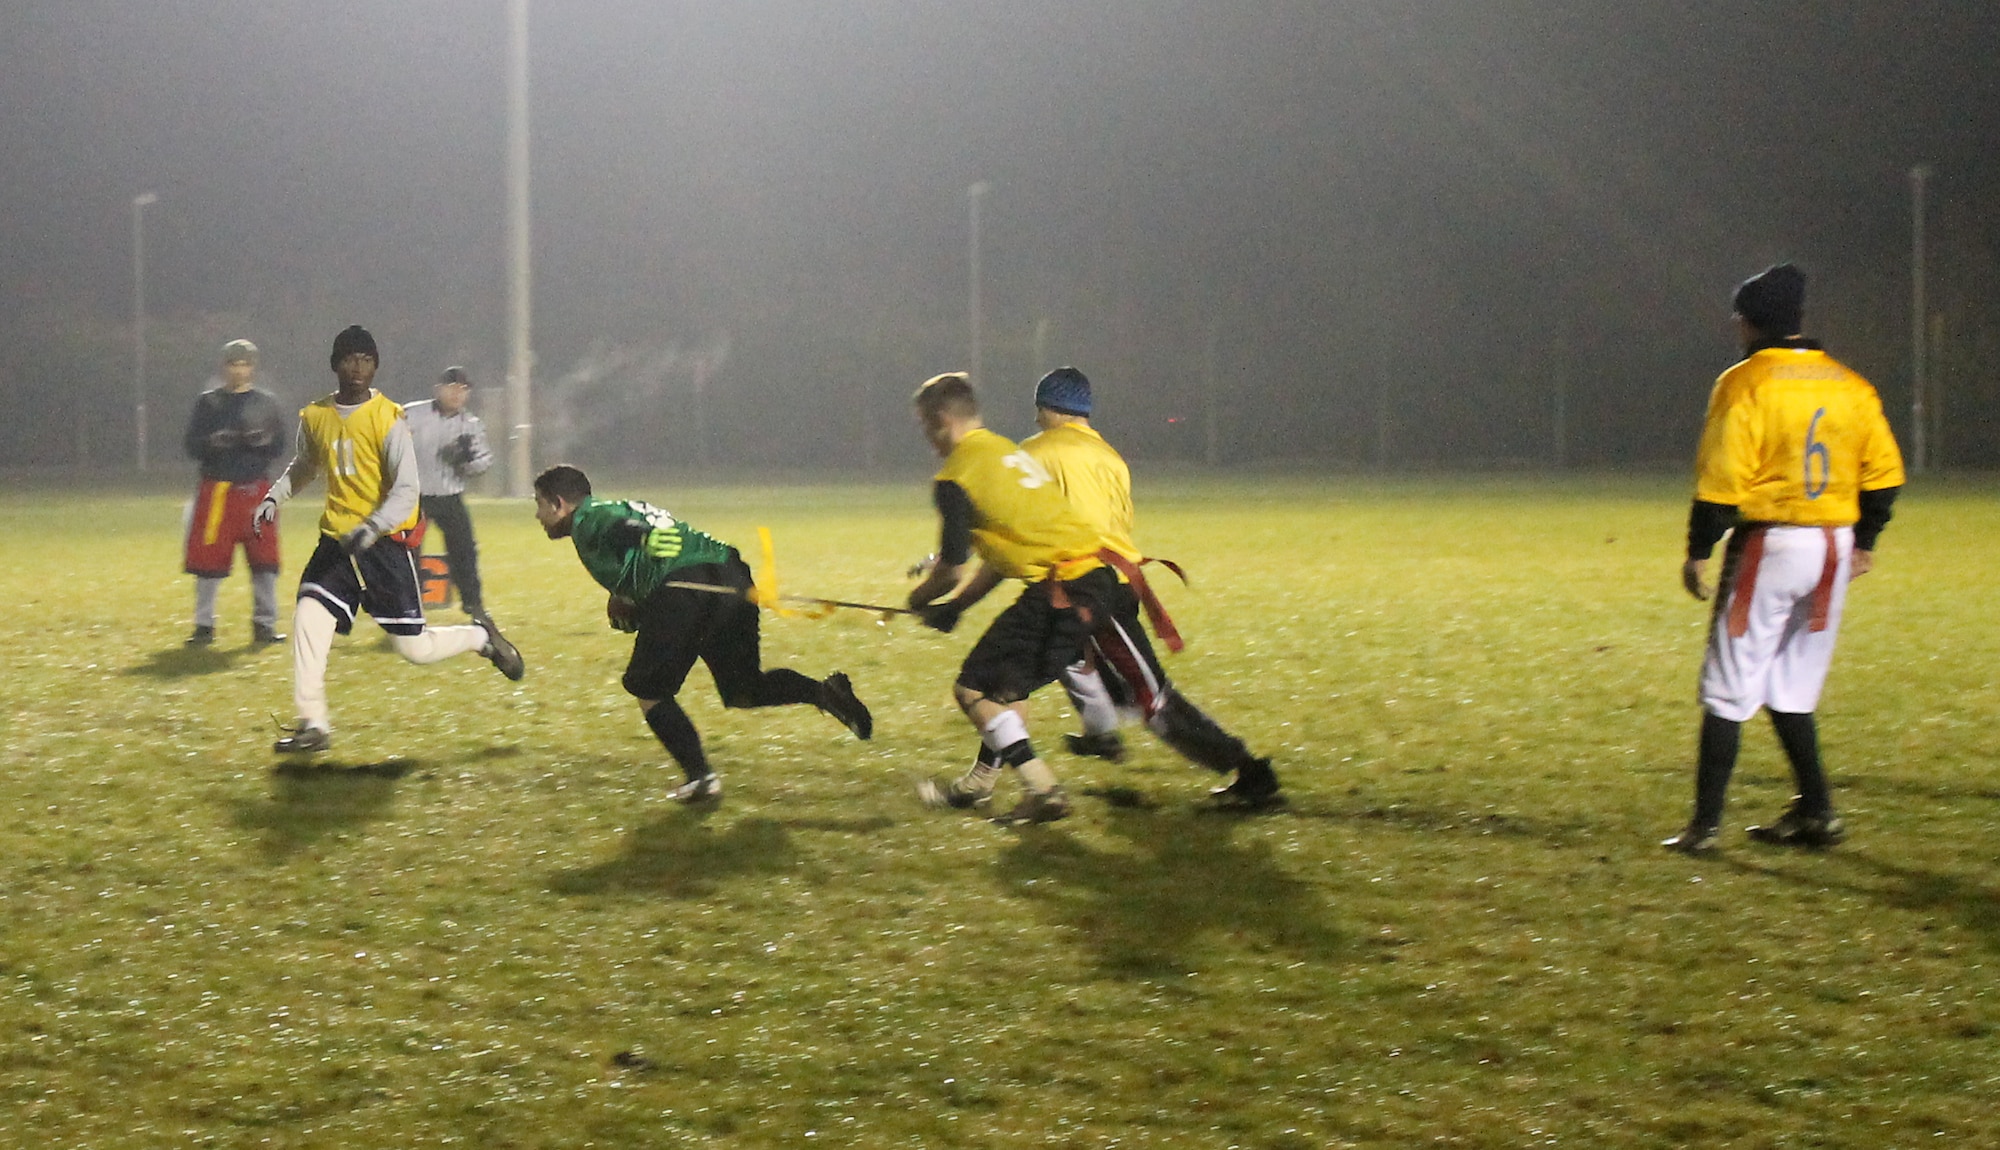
(1022, 527)
(1093, 477)
(348, 450)
(1794, 436)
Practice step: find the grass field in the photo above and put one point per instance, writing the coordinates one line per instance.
(483, 924)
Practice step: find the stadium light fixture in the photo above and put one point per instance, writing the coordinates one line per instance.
(139, 204)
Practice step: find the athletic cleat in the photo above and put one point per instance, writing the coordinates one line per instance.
(836, 698)
(202, 637)
(953, 795)
(501, 653)
(700, 789)
(1109, 746)
(1694, 839)
(1254, 789)
(303, 740)
(1037, 807)
(264, 635)
(1796, 829)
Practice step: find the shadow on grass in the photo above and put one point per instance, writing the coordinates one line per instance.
(681, 857)
(179, 662)
(310, 801)
(1974, 905)
(1186, 883)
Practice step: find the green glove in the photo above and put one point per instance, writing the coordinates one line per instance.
(664, 542)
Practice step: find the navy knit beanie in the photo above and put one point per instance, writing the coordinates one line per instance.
(1773, 300)
(352, 341)
(1066, 390)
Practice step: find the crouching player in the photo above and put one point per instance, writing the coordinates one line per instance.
(659, 572)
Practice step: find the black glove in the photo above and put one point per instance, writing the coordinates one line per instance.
(942, 615)
(458, 452)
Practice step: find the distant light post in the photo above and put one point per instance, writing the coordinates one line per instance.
(1919, 176)
(139, 204)
(973, 195)
(521, 361)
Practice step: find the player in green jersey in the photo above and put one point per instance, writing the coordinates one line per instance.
(649, 562)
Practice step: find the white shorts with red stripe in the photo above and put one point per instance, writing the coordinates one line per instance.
(1776, 617)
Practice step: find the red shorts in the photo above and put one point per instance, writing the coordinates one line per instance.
(222, 515)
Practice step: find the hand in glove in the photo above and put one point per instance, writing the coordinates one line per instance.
(360, 539)
(942, 615)
(664, 542)
(265, 515)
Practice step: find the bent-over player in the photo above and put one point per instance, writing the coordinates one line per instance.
(1798, 459)
(358, 439)
(684, 595)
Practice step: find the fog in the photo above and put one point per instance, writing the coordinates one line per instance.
(1344, 235)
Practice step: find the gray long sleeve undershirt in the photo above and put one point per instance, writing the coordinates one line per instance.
(399, 465)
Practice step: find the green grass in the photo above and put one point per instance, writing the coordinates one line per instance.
(484, 924)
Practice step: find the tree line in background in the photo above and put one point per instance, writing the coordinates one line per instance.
(1351, 380)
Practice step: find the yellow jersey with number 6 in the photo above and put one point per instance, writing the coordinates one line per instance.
(1794, 436)
(1022, 526)
(348, 449)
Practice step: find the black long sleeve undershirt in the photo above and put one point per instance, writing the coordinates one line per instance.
(955, 510)
(1877, 507)
(1707, 524)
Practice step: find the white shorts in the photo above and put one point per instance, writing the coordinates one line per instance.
(1776, 618)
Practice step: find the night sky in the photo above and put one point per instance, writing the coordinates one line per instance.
(1351, 233)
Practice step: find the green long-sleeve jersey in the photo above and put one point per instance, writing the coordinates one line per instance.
(612, 545)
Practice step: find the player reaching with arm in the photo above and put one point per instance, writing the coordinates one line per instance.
(995, 499)
(357, 438)
(1798, 465)
(638, 552)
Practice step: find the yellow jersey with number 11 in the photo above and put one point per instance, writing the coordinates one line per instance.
(1022, 526)
(349, 450)
(1794, 436)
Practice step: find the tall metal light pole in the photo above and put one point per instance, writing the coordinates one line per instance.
(973, 195)
(521, 359)
(1919, 176)
(139, 203)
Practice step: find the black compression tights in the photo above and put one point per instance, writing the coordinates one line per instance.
(677, 734)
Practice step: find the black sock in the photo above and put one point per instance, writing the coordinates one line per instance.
(1720, 739)
(677, 734)
(1800, 736)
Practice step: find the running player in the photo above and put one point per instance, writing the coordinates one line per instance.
(1122, 673)
(996, 499)
(364, 562)
(1798, 459)
(684, 594)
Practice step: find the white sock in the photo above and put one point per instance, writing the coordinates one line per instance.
(1090, 698)
(313, 628)
(434, 644)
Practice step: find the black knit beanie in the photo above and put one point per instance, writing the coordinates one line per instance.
(354, 340)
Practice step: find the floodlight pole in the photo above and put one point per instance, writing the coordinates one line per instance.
(521, 359)
(973, 195)
(1919, 176)
(139, 203)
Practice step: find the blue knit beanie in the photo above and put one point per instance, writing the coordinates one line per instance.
(1066, 390)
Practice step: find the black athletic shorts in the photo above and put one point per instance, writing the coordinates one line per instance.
(381, 581)
(1030, 643)
(678, 626)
